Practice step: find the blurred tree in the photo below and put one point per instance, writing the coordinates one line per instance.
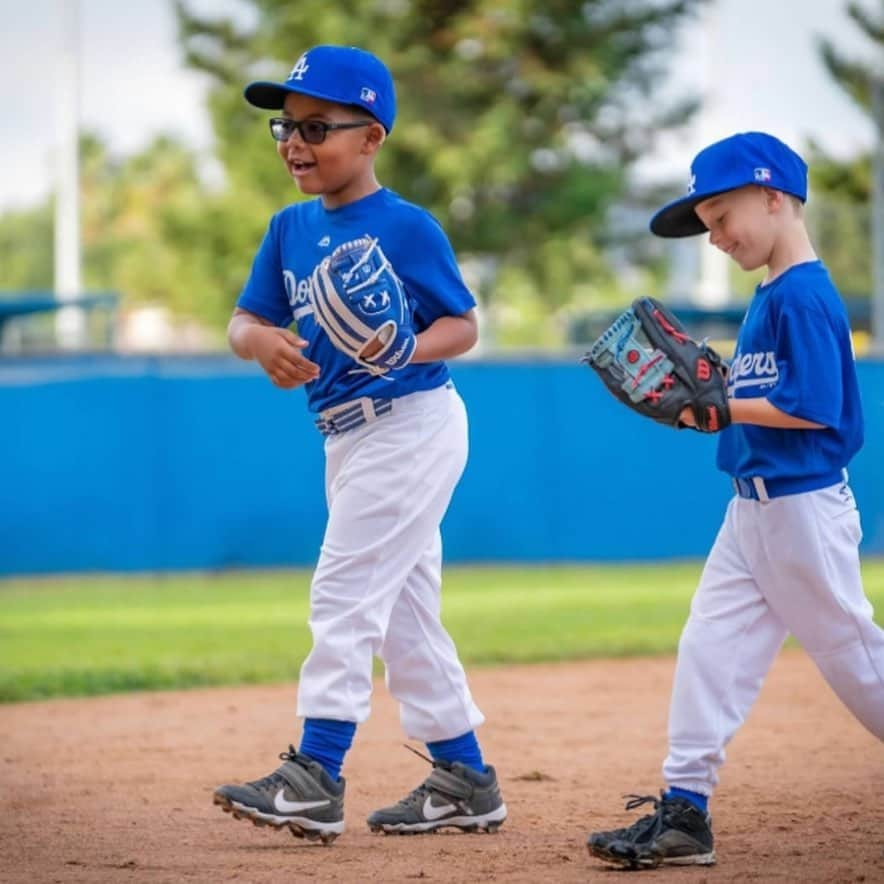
(839, 216)
(133, 210)
(518, 121)
(841, 210)
(26, 250)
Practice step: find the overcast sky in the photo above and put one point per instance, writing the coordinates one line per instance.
(757, 60)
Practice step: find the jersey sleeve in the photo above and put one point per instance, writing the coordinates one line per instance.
(808, 352)
(265, 291)
(429, 270)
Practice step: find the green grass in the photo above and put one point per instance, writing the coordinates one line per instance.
(95, 635)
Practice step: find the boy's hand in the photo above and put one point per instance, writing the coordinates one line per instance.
(278, 352)
(686, 418)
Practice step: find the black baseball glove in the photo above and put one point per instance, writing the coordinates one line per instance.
(650, 363)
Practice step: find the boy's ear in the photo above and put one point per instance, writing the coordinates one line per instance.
(375, 135)
(773, 199)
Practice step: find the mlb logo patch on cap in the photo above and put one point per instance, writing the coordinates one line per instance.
(762, 174)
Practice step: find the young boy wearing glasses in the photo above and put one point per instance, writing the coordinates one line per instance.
(389, 475)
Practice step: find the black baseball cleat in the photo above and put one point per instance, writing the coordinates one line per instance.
(452, 795)
(299, 795)
(676, 834)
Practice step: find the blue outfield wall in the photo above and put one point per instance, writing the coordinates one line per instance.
(152, 464)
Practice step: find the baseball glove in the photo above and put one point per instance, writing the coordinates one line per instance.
(650, 363)
(362, 306)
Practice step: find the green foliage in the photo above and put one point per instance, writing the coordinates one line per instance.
(854, 76)
(82, 636)
(840, 210)
(26, 250)
(145, 218)
(840, 219)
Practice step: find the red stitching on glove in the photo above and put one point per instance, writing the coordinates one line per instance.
(645, 368)
(681, 337)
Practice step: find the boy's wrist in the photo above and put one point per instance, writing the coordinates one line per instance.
(241, 337)
(749, 411)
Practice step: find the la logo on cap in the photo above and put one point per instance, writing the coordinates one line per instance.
(301, 67)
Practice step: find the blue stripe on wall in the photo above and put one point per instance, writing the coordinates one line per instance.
(144, 464)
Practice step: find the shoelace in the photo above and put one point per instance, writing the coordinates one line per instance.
(664, 812)
(418, 795)
(646, 823)
(425, 757)
(291, 755)
(274, 779)
(639, 800)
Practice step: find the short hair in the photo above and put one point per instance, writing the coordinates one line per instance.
(797, 204)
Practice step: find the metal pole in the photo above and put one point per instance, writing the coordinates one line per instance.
(712, 287)
(877, 305)
(70, 323)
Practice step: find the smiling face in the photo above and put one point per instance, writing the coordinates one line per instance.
(746, 223)
(341, 168)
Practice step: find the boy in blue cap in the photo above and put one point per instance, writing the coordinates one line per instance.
(786, 557)
(396, 445)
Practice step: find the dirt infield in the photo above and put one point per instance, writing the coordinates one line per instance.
(119, 788)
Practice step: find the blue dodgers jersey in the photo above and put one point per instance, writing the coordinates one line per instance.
(794, 349)
(298, 239)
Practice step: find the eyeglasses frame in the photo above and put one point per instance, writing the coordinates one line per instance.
(326, 127)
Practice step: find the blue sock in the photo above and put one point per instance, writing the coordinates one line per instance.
(327, 741)
(701, 802)
(464, 749)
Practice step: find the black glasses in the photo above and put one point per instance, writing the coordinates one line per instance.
(312, 131)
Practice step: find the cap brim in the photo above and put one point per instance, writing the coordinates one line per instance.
(272, 96)
(678, 218)
(268, 96)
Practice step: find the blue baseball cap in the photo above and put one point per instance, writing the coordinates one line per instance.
(741, 159)
(343, 74)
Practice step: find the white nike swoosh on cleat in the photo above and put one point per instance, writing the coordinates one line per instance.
(284, 806)
(436, 811)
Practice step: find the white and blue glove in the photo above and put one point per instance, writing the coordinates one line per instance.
(362, 306)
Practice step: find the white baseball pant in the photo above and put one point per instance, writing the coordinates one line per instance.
(376, 590)
(789, 565)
